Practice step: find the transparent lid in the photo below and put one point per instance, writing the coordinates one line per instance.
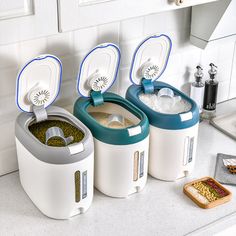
(38, 82)
(150, 58)
(98, 70)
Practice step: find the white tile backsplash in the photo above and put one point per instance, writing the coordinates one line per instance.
(224, 71)
(9, 139)
(9, 55)
(223, 91)
(68, 93)
(127, 49)
(125, 81)
(84, 39)
(31, 48)
(174, 65)
(69, 69)
(167, 21)
(8, 108)
(60, 44)
(210, 54)
(109, 33)
(8, 88)
(72, 46)
(189, 59)
(131, 29)
(226, 49)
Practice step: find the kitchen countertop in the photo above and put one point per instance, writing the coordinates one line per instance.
(160, 209)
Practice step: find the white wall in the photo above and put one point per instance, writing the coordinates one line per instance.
(71, 47)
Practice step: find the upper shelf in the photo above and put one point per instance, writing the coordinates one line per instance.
(75, 14)
(26, 19)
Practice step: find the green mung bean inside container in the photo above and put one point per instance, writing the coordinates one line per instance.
(39, 131)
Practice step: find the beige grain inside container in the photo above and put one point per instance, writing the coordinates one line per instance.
(103, 115)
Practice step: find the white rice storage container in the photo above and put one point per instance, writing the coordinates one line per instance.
(172, 115)
(120, 129)
(54, 149)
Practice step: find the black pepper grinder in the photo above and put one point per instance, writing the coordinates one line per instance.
(210, 94)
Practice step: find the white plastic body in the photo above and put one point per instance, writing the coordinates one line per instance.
(197, 94)
(114, 168)
(168, 152)
(52, 187)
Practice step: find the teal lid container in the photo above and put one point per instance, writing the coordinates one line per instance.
(149, 62)
(119, 128)
(174, 130)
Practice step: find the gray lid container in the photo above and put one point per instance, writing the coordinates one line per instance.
(58, 180)
(54, 155)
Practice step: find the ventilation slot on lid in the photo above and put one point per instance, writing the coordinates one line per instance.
(39, 97)
(98, 82)
(149, 70)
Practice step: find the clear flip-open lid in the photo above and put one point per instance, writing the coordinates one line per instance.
(98, 70)
(38, 82)
(150, 58)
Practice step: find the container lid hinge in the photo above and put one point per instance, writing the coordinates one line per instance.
(97, 98)
(147, 85)
(40, 113)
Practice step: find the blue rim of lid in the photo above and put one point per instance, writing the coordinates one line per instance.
(42, 57)
(137, 49)
(82, 63)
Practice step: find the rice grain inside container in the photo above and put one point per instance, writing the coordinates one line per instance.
(58, 179)
(173, 134)
(120, 129)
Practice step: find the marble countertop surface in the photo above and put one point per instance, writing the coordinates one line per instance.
(160, 209)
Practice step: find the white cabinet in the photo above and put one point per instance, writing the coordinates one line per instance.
(74, 14)
(213, 21)
(26, 19)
